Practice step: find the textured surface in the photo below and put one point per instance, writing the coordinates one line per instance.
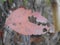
(18, 21)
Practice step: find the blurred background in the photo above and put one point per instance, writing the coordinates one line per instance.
(47, 8)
